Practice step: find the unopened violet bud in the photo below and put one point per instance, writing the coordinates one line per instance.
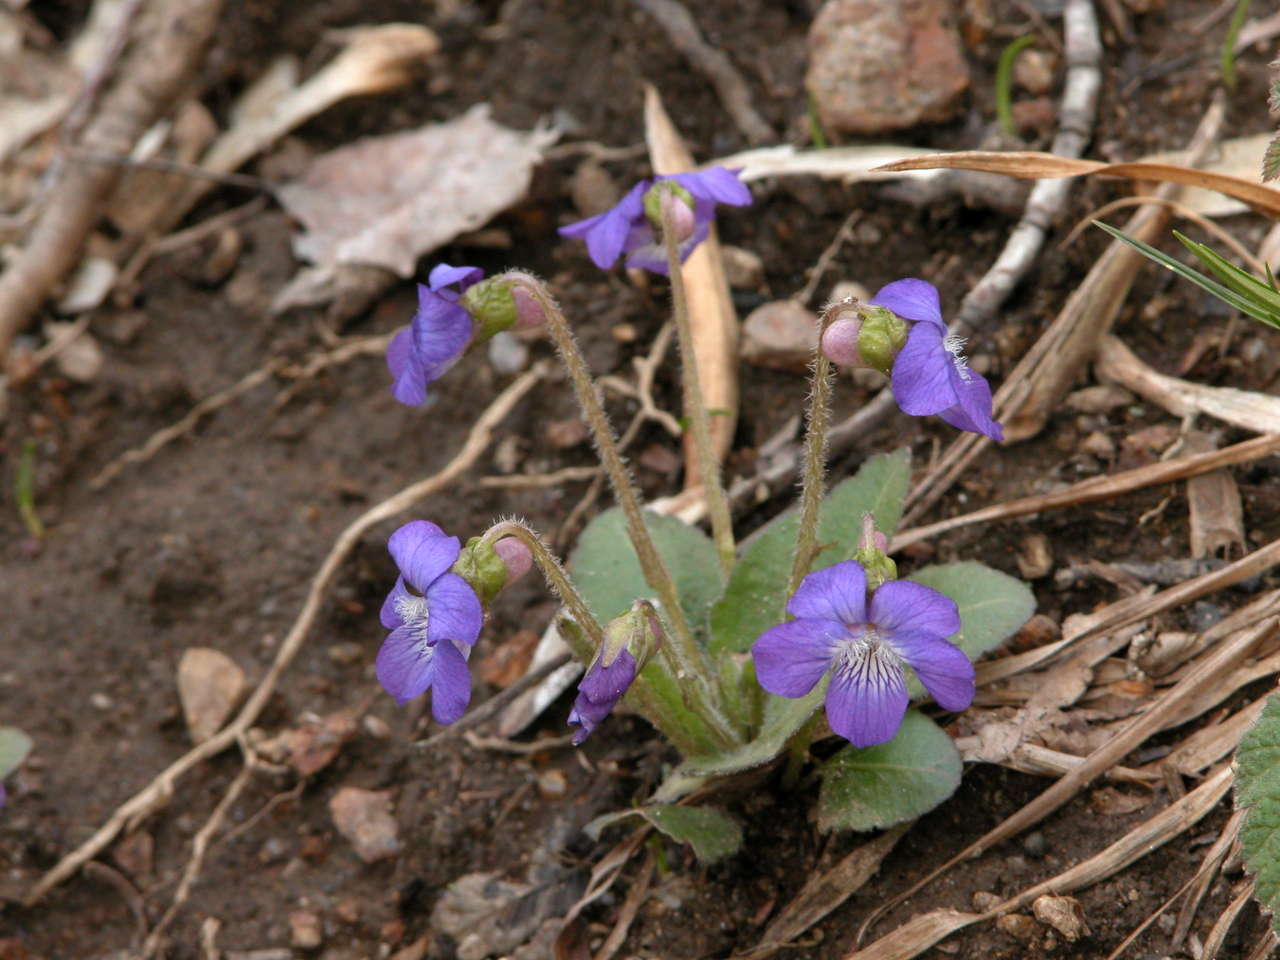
(872, 553)
(675, 202)
(840, 340)
(517, 557)
(529, 315)
(492, 306)
(629, 641)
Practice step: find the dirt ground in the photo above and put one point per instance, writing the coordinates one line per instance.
(212, 542)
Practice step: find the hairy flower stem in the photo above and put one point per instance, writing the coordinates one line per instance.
(554, 573)
(817, 420)
(693, 670)
(695, 408)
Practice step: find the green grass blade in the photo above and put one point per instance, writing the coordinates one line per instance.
(1004, 82)
(1241, 281)
(1225, 294)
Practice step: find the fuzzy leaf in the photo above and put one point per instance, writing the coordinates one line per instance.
(782, 718)
(755, 598)
(1258, 791)
(1271, 159)
(711, 832)
(874, 787)
(14, 747)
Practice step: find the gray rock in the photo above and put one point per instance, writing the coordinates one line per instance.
(880, 65)
(780, 334)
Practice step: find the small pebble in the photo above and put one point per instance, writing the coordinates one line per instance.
(625, 332)
(346, 653)
(984, 900)
(507, 353)
(1100, 445)
(1034, 844)
(306, 932)
(1019, 926)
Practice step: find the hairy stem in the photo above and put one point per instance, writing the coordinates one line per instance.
(817, 420)
(695, 408)
(692, 668)
(554, 573)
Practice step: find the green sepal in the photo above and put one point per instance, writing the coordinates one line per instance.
(492, 306)
(882, 335)
(878, 566)
(479, 564)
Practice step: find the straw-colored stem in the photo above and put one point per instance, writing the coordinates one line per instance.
(818, 419)
(692, 668)
(695, 407)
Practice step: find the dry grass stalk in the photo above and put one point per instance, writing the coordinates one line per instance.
(1218, 934)
(711, 313)
(157, 793)
(922, 932)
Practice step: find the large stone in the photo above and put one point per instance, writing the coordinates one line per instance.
(780, 334)
(880, 65)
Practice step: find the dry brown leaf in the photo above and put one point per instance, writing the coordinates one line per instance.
(1111, 802)
(386, 201)
(1217, 517)
(1034, 166)
(210, 684)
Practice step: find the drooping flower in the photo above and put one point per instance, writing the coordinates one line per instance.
(599, 691)
(434, 617)
(930, 373)
(424, 351)
(864, 646)
(630, 226)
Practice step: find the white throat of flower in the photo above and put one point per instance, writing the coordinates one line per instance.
(867, 658)
(415, 613)
(955, 346)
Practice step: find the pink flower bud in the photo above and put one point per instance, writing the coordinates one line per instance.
(528, 310)
(680, 215)
(840, 341)
(515, 554)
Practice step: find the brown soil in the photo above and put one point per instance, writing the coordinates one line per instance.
(213, 542)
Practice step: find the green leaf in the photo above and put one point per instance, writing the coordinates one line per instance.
(1258, 791)
(14, 747)
(711, 832)
(875, 787)
(1004, 82)
(608, 575)
(756, 596)
(607, 571)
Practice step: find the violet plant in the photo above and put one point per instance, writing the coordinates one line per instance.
(14, 747)
(729, 649)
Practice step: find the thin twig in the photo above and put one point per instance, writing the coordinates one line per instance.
(156, 794)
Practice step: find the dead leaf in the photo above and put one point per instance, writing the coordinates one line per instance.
(364, 818)
(210, 685)
(1217, 517)
(1238, 157)
(386, 201)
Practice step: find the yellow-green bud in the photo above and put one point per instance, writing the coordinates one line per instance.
(483, 568)
(882, 335)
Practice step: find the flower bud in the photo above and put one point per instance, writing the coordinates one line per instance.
(840, 340)
(669, 198)
(516, 556)
(872, 545)
(528, 310)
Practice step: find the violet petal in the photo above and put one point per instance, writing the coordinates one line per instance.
(838, 592)
(454, 611)
(451, 683)
(405, 664)
(911, 299)
(942, 667)
(867, 701)
(422, 552)
(389, 615)
(924, 373)
(899, 606)
(792, 657)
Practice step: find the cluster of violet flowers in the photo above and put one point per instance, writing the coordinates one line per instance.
(850, 622)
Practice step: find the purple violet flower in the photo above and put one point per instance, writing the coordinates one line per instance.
(864, 650)
(930, 374)
(434, 617)
(599, 691)
(3, 796)
(424, 351)
(626, 227)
